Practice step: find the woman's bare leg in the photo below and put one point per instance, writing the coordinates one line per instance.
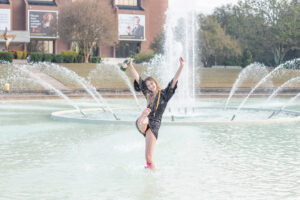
(150, 144)
(143, 120)
(143, 127)
(144, 115)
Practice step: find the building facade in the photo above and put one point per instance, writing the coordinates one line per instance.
(31, 25)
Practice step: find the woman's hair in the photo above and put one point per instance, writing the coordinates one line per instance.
(150, 96)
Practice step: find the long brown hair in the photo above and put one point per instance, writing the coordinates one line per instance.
(150, 96)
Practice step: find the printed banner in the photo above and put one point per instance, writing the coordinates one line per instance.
(42, 24)
(131, 27)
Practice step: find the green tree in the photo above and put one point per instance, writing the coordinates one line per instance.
(216, 46)
(157, 44)
(268, 28)
(241, 23)
(246, 58)
(88, 23)
(282, 20)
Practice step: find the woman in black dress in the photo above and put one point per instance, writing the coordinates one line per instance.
(149, 122)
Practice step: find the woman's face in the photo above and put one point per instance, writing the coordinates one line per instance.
(151, 85)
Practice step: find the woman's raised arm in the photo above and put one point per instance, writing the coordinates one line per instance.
(133, 71)
(176, 77)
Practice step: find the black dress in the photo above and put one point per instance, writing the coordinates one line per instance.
(155, 115)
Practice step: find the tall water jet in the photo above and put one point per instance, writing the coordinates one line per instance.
(180, 32)
(253, 71)
(287, 65)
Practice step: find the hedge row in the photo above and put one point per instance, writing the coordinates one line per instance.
(6, 56)
(65, 57)
(57, 58)
(143, 57)
(70, 53)
(19, 54)
(48, 57)
(95, 59)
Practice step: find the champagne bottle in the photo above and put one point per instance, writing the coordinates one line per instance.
(124, 65)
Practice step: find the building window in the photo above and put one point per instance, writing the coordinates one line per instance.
(4, 2)
(43, 46)
(129, 4)
(41, 2)
(125, 49)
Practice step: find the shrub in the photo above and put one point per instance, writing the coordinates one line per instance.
(25, 54)
(157, 44)
(14, 54)
(95, 59)
(74, 53)
(48, 57)
(6, 56)
(69, 53)
(68, 58)
(58, 58)
(143, 57)
(36, 57)
(80, 58)
(20, 54)
(247, 58)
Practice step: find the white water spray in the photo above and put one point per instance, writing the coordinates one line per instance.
(286, 84)
(180, 32)
(49, 86)
(287, 65)
(255, 69)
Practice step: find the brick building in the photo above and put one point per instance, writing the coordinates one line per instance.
(29, 23)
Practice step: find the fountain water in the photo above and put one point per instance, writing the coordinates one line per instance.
(12, 75)
(286, 84)
(113, 68)
(128, 83)
(284, 106)
(253, 71)
(180, 31)
(287, 65)
(57, 70)
(47, 85)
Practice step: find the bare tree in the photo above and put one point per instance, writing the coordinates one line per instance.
(88, 23)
